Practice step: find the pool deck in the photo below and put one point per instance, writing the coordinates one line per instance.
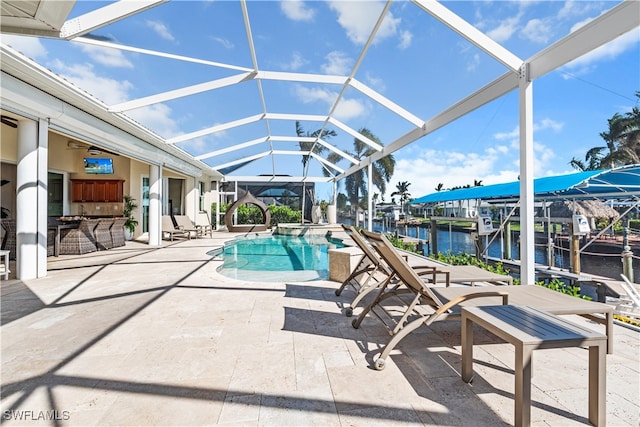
(154, 336)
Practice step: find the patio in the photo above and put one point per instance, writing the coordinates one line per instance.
(140, 335)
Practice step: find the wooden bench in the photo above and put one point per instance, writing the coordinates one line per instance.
(529, 329)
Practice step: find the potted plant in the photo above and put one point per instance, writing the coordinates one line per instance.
(127, 211)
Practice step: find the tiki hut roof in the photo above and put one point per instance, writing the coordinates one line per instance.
(588, 208)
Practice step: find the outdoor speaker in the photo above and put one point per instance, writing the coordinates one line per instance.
(485, 226)
(580, 225)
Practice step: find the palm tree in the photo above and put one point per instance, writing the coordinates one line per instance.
(313, 147)
(622, 143)
(440, 187)
(402, 190)
(355, 184)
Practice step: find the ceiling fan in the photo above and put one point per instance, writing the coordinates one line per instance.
(91, 149)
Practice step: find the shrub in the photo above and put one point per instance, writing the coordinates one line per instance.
(284, 214)
(251, 214)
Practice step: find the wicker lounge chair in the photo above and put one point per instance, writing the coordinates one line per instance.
(410, 283)
(183, 223)
(169, 228)
(79, 241)
(102, 234)
(203, 225)
(371, 272)
(117, 232)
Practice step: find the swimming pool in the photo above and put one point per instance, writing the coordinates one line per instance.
(277, 258)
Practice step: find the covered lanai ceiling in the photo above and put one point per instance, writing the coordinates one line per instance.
(231, 104)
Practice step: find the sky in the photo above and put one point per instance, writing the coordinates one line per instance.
(414, 61)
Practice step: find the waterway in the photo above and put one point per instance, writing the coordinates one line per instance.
(455, 242)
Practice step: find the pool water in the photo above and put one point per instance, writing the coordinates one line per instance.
(276, 258)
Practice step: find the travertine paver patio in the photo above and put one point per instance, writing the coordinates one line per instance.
(154, 336)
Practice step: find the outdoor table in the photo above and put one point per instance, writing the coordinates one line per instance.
(529, 329)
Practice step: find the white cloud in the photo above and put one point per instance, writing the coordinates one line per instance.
(495, 165)
(537, 31)
(161, 30)
(110, 91)
(348, 108)
(473, 62)
(30, 46)
(452, 168)
(405, 39)
(227, 44)
(338, 63)
(514, 135)
(576, 8)
(375, 82)
(548, 124)
(505, 30)
(107, 56)
(297, 10)
(606, 52)
(501, 136)
(158, 117)
(297, 61)
(359, 17)
(309, 95)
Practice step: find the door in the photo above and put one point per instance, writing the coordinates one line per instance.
(175, 196)
(55, 194)
(145, 204)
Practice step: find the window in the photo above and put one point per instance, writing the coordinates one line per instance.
(201, 201)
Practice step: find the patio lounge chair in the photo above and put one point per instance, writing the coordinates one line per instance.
(203, 224)
(185, 224)
(371, 272)
(421, 297)
(169, 228)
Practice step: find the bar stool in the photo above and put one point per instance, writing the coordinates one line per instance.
(4, 264)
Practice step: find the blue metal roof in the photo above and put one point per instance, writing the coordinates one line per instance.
(617, 183)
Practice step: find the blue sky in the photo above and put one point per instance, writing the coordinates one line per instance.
(414, 61)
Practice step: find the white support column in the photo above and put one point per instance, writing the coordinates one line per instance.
(31, 197)
(369, 196)
(43, 180)
(155, 205)
(218, 196)
(527, 240)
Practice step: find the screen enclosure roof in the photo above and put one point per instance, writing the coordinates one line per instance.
(235, 119)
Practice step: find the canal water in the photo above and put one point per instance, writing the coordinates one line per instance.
(456, 242)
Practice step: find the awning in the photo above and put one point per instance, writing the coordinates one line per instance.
(617, 183)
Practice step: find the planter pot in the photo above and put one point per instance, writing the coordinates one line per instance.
(316, 214)
(332, 217)
(128, 235)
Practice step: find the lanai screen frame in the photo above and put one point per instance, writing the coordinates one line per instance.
(520, 75)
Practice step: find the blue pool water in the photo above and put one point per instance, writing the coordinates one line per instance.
(275, 258)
